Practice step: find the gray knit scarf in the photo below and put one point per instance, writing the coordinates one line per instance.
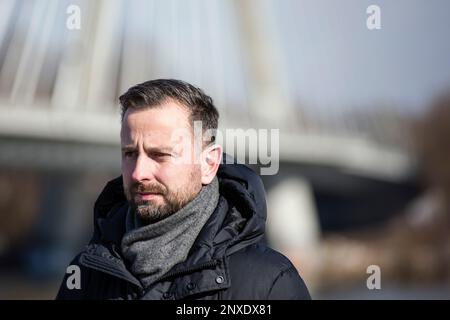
(153, 249)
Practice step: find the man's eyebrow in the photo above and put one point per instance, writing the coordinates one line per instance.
(163, 149)
(149, 149)
(128, 148)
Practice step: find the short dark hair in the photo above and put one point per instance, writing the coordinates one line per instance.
(155, 92)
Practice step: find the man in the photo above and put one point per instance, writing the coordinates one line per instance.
(179, 224)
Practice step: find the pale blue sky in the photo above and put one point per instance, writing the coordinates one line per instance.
(334, 60)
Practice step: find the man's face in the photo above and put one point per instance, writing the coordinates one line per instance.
(159, 173)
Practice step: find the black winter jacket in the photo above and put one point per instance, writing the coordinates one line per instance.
(229, 259)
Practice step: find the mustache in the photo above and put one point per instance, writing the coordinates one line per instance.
(150, 188)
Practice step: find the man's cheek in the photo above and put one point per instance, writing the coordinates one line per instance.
(126, 174)
(126, 188)
(176, 175)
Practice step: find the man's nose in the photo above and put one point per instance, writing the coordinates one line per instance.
(143, 169)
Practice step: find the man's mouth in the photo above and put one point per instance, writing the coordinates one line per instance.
(148, 195)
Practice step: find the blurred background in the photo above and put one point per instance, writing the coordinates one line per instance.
(364, 119)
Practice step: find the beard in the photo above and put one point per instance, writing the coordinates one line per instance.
(173, 200)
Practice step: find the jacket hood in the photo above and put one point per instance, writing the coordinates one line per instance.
(238, 220)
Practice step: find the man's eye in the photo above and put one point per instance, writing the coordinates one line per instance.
(161, 155)
(129, 154)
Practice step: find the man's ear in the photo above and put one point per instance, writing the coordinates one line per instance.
(211, 159)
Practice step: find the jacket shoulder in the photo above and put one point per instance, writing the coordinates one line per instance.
(265, 274)
(263, 257)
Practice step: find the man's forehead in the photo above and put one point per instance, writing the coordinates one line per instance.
(156, 139)
(156, 135)
(149, 137)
